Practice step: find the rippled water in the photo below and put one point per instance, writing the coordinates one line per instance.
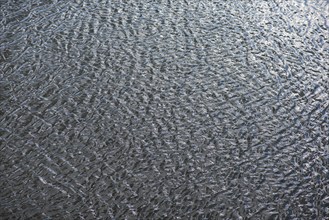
(164, 109)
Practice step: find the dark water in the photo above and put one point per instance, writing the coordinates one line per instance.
(164, 109)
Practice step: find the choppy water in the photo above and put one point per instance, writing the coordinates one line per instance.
(164, 109)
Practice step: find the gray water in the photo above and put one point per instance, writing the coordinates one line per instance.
(197, 109)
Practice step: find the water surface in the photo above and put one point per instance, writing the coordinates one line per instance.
(164, 109)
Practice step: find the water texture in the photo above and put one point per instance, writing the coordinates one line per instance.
(197, 109)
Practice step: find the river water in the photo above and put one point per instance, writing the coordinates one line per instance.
(199, 109)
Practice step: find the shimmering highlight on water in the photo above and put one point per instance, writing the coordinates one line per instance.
(164, 109)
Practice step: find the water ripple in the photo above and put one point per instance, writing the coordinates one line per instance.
(164, 109)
